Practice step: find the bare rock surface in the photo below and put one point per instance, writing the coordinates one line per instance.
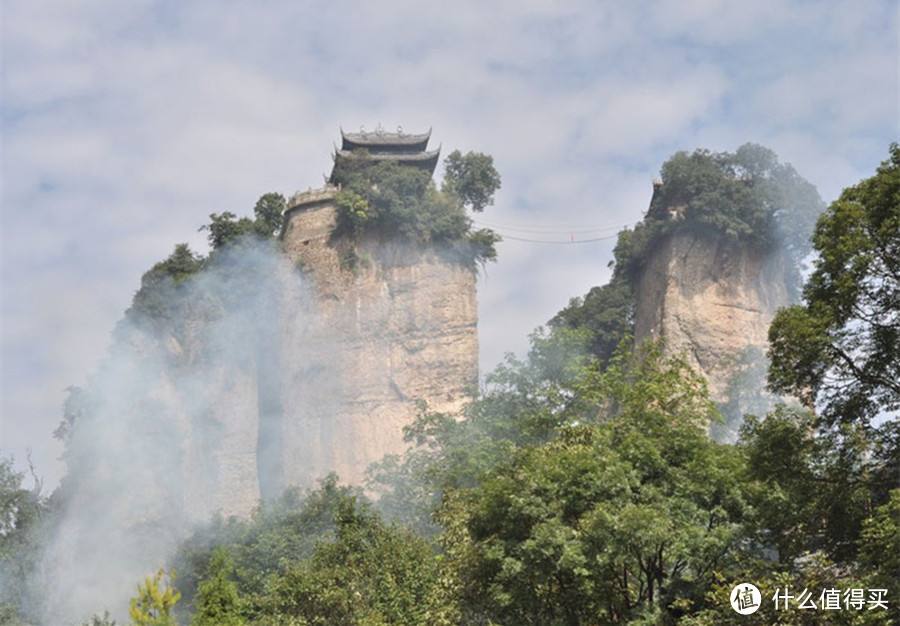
(398, 327)
(711, 299)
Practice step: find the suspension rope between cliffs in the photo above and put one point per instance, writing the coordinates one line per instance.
(555, 229)
(557, 242)
(500, 230)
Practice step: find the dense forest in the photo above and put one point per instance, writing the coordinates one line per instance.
(581, 486)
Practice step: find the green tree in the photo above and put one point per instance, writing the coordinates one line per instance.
(226, 227)
(180, 265)
(839, 349)
(395, 202)
(609, 521)
(21, 520)
(371, 574)
(279, 534)
(154, 602)
(813, 491)
(880, 548)
(606, 313)
(269, 212)
(217, 602)
(162, 286)
(471, 178)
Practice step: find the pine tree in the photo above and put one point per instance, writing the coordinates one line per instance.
(152, 606)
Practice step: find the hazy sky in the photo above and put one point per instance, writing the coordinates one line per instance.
(124, 124)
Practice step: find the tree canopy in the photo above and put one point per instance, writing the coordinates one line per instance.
(161, 297)
(608, 520)
(605, 314)
(154, 602)
(217, 601)
(471, 178)
(401, 203)
(22, 513)
(839, 349)
(747, 194)
(226, 227)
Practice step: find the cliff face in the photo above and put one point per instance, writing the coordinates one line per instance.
(329, 370)
(269, 369)
(251, 389)
(712, 299)
(397, 327)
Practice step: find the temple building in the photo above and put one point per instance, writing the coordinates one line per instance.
(406, 149)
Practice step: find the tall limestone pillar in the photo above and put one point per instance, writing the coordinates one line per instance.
(397, 327)
(712, 299)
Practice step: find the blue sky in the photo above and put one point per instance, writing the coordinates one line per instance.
(124, 124)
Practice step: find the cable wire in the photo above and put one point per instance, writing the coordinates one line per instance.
(555, 229)
(567, 243)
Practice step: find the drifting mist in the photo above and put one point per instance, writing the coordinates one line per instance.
(174, 425)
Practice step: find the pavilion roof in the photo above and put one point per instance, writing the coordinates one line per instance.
(427, 158)
(376, 140)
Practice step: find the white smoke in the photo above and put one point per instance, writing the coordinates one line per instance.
(175, 427)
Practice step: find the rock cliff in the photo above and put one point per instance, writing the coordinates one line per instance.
(335, 361)
(712, 298)
(396, 327)
(265, 371)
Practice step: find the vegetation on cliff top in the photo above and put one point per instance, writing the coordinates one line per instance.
(397, 202)
(746, 196)
(159, 299)
(386, 199)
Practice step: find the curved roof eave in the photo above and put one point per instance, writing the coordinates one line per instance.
(365, 140)
(410, 157)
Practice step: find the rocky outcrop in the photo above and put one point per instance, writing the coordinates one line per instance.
(712, 298)
(280, 365)
(393, 326)
(319, 371)
(269, 369)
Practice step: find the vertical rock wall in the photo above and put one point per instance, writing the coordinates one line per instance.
(270, 370)
(399, 326)
(712, 299)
